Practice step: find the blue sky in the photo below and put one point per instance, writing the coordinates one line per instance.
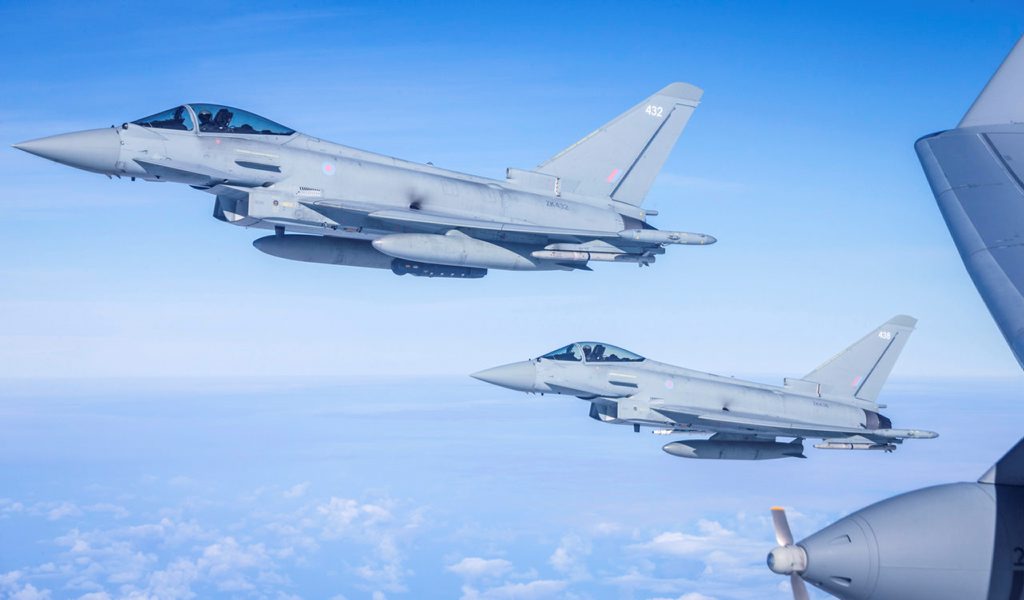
(157, 366)
(799, 160)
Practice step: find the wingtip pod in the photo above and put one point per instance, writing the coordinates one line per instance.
(658, 236)
(918, 434)
(906, 434)
(1000, 102)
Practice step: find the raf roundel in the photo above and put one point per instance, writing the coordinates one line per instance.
(328, 169)
(669, 384)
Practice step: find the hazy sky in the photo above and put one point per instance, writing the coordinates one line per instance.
(799, 160)
(421, 488)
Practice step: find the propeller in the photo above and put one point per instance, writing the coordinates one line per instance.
(788, 558)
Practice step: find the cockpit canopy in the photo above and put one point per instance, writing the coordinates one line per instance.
(593, 352)
(213, 118)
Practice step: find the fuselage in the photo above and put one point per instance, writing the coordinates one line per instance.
(267, 176)
(640, 389)
(309, 169)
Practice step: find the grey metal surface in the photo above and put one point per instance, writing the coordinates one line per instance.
(581, 206)
(744, 417)
(975, 172)
(961, 540)
(932, 543)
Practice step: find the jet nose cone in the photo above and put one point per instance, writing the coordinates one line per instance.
(520, 376)
(94, 150)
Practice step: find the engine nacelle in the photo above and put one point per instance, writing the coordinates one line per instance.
(951, 541)
(735, 449)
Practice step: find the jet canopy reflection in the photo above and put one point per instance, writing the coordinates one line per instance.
(213, 118)
(593, 352)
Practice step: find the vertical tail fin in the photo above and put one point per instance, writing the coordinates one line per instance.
(1002, 99)
(861, 370)
(622, 158)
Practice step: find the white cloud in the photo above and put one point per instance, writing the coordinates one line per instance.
(297, 491)
(29, 592)
(12, 587)
(226, 564)
(176, 556)
(473, 567)
(341, 515)
(711, 537)
(64, 509)
(570, 555)
(118, 512)
(533, 590)
(607, 528)
(10, 506)
(375, 525)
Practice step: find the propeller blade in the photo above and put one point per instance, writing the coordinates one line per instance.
(799, 587)
(782, 533)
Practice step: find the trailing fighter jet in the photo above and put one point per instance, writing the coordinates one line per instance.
(332, 204)
(835, 402)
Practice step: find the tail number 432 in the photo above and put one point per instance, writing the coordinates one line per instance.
(654, 111)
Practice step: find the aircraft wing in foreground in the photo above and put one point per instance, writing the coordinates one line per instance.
(959, 540)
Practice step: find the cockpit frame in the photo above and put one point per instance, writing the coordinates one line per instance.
(213, 119)
(593, 353)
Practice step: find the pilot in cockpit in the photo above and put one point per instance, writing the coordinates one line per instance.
(222, 120)
(205, 120)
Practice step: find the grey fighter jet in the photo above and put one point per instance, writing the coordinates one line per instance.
(835, 402)
(332, 204)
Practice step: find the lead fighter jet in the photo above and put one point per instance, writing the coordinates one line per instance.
(332, 204)
(835, 402)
